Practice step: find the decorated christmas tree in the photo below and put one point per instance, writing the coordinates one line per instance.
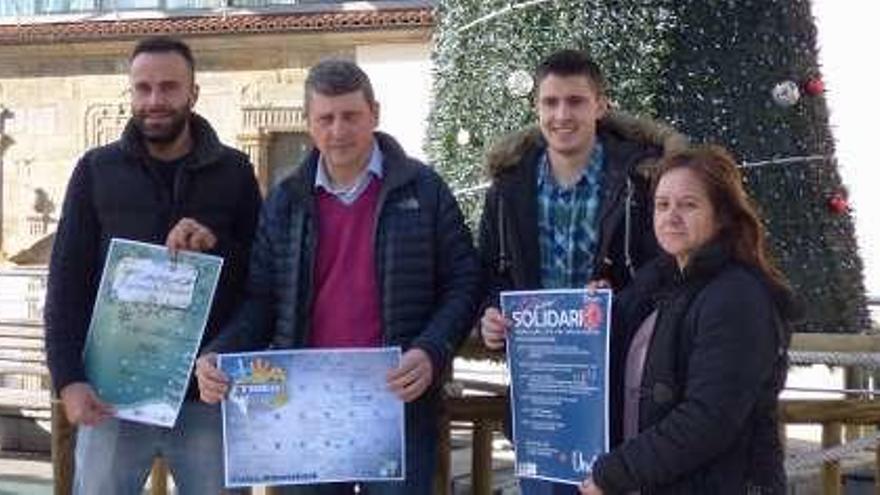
(745, 74)
(485, 53)
(742, 74)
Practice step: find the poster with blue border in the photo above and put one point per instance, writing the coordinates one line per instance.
(306, 416)
(557, 354)
(149, 316)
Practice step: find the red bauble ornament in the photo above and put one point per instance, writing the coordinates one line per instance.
(814, 86)
(838, 204)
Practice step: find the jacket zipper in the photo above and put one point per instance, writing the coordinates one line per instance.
(377, 259)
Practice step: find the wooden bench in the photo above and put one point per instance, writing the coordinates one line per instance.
(485, 415)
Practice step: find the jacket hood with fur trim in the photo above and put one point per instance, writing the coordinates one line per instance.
(509, 150)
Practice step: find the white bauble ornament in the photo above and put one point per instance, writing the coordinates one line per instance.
(520, 83)
(463, 138)
(786, 93)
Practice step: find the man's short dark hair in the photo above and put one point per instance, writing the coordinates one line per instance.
(566, 63)
(164, 44)
(335, 77)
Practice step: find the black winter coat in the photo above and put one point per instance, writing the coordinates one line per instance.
(714, 368)
(508, 237)
(116, 191)
(508, 240)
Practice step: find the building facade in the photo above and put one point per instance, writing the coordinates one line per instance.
(63, 84)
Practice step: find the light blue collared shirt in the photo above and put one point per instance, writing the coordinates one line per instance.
(350, 194)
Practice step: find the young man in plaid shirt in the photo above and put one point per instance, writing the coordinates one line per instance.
(569, 201)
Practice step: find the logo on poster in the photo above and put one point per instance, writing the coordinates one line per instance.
(579, 464)
(592, 316)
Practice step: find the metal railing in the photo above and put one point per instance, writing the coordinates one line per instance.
(22, 293)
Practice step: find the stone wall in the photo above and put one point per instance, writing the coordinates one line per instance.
(59, 100)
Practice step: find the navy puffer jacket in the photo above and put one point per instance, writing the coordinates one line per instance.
(427, 268)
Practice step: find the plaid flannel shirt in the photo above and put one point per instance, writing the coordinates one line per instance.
(568, 230)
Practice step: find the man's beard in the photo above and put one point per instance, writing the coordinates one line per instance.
(165, 133)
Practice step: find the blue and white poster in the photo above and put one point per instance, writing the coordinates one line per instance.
(312, 416)
(557, 353)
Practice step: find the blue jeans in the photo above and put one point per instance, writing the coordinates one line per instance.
(531, 486)
(421, 460)
(114, 457)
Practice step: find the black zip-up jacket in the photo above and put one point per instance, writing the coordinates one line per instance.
(713, 371)
(116, 191)
(508, 238)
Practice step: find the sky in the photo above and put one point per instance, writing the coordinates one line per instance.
(848, 38)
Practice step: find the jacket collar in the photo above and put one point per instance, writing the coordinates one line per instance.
(206, 145)
(705, 263)
(710, 260)
(617, 126)
(398, 168)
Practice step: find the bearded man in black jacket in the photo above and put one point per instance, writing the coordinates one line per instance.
(167, 180)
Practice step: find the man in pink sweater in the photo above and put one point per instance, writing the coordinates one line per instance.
(362, 246)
